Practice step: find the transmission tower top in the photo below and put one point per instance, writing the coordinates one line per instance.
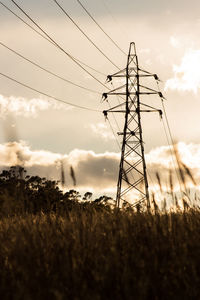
(132, 186)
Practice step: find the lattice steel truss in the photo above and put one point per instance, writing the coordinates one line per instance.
(132, 180)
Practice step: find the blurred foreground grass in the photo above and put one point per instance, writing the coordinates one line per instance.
(98, 253)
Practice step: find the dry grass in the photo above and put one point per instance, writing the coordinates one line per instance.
(93, 253)
(89, 251)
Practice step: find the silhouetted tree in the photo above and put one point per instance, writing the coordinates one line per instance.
(20, 193)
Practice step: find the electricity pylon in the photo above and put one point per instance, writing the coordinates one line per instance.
(132, 170)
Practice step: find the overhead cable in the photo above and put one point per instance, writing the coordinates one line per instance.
(116, 140)
(172, 147)
(83, 32)
(49, 40)
(17, 16)
(100, 27)
(71, 57)
(50, 72)
(47, 95)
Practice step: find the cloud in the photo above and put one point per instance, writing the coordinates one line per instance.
(19, 153)
(98, 172)
(24, 107)
(187, 74)
(92, 171)
(102, 130)
(163, 161)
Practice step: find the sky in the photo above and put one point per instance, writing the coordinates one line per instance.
(46, 131)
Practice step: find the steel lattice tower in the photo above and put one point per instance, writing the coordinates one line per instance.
(132, 170)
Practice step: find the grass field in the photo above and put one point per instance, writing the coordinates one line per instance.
(96, 253)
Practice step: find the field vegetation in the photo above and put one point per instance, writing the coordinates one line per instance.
(54, 246)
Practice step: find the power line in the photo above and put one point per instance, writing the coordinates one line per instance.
(50, 41)
(113, 116)
(50, 72)
(172, 156)
(47, 95)
(17, 16)
(109, 12)
(71, 57)
(117, 96)
(170, 135)
(87, 37)
(100, 26)
(116, 140)
(172, 146)
(163, 106)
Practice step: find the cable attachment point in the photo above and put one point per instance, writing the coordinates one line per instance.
(156, 77)
(161, 95)
(104, 96)
(109, 78)
(161, 114)
(105, 114)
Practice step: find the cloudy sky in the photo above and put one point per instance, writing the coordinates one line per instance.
(166, 34)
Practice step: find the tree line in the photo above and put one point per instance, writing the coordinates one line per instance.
(20, 192)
